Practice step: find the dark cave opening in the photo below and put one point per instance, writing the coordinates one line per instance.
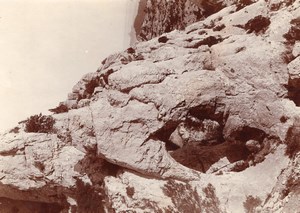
(164, 134)
(249, 133)
(200, 158)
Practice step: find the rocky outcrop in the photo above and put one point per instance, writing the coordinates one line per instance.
(192, 121)
(156, 17)
(163, 16)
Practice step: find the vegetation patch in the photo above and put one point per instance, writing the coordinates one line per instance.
(210, 203)
(292, 184)
(251, 203)
(258, 25)
(219, 27)
(293, 34)
(184, 197)
(130, 191)
(39, 124)
(277, 6)
(210, 41)
(15, 130)
(59, 109)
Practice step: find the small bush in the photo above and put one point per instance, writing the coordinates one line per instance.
(259, 24)
(184, 197)
(251, 203)
(129, 191)
(15, 130)
(39, 123)
(292, 183)
(211, 202)
(276, 7)
(138, 57)
(293, 34)
(59, 109)
(130, 50)
(219, 27)
(210, 41)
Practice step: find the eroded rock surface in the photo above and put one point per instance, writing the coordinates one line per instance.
(200, 120)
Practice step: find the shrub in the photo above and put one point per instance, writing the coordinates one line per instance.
(259, 24)
(219, 27)
(184, 197)
(129, 191)
(210, 41)
(211, 202)
(251, 203)
(293, 34)
(130, 50)
(15, 130)
(292, 183)
(59, 109)
(277, 6)
(39, 123)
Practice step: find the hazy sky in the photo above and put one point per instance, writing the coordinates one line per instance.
(47, 45)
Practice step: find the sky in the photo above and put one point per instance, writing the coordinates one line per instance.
(46, 46)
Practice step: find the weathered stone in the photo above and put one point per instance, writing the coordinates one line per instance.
(253, 145)
(226, 104)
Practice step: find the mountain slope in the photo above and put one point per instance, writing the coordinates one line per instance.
(200, 120)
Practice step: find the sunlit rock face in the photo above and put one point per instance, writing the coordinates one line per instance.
(204, 119)
(156, 17)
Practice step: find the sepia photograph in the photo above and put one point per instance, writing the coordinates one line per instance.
(150, 106)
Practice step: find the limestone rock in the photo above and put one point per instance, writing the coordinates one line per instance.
(224, 91)
(253, 145)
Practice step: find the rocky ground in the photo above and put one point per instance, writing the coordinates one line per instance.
(204, 119)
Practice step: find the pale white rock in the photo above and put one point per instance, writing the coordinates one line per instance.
(296, 49)
(253, 145)
(224, 85)
(294, 72)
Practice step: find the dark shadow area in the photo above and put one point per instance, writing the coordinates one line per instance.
(92, 198)
(292, 141)
(201, 157)
(164, 134)
(294, 95)
(249, 133)
(21, 206)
